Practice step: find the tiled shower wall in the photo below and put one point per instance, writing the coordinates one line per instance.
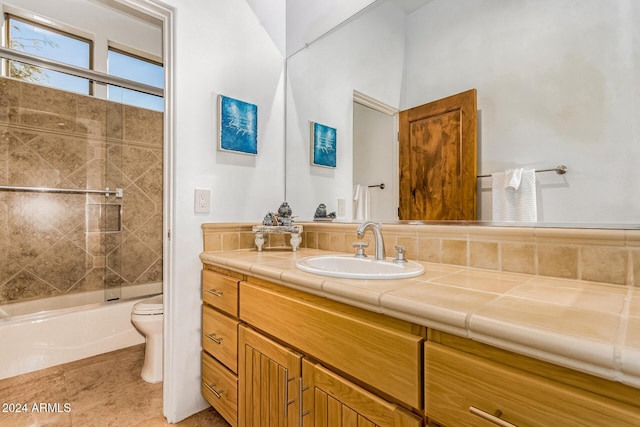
(57, 243)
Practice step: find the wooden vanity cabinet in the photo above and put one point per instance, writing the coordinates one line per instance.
(220, 340)
(274, 356)
(332, 401)
(381, 354)
(275, 380)
(269, 376)
(505, 389)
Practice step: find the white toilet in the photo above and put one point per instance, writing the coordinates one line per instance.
(147, 316)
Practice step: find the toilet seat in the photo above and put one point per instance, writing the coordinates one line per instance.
(149, 306)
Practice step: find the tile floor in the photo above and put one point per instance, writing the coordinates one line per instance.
(101, 391)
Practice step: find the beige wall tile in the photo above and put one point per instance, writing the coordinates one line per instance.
(558, 261)
(143, 126)
(65, 145)
(454, 252)
(410, 244)
(603, 264)
(9, 100)
(483, 255)
(247, 240)
(634, 255)
(310, 239)
(47, 108)
(92, 116)
(429, 250)
(324, 241)
(518, 257)
(212, 241)
(276, 240)
(512, 249)
(230, 241)
(579, 236)
(337, 242)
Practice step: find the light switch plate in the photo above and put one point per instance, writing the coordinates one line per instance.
(202, 201)
(341, 207)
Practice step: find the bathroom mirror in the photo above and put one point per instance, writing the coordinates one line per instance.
(556, 85)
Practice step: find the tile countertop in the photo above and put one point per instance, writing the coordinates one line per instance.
(590, 327)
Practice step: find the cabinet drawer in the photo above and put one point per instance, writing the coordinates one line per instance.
(455, 382)
(220, 337)
(220, 291)
(340, 336)
(220, 388)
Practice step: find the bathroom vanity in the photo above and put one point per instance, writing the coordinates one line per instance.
(288, 348)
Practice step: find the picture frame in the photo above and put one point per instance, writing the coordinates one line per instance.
(237, 126)
(323, 145)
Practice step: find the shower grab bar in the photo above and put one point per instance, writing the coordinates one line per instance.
(560, 170)
(118, 192)
(96, 76)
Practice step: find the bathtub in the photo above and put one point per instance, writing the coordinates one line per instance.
(73, 327)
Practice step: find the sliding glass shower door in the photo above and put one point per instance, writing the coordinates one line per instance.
(80, 199)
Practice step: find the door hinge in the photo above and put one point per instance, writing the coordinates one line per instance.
(168, 234)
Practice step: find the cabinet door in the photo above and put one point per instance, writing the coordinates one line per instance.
(332, 401)
(268, 377)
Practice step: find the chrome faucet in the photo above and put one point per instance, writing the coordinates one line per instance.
(375, 228)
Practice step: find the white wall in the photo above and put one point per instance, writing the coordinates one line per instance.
(307, 20)
(272, 16)
(220, 47)
(557, 84)
(363, 55)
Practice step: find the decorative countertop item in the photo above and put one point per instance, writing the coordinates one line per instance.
(321, 214)
(294, 230)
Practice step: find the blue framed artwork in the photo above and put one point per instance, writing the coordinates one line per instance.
(323, 145)
(238, 126)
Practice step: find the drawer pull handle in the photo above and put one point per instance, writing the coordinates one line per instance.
(301, 412)
(214, 292)
(217, 394)
(286, 392)
(213, 338)
(495, 419)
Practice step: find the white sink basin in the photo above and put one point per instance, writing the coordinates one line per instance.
(350, 267)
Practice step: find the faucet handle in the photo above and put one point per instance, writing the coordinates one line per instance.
(400, 254)
(360, 249)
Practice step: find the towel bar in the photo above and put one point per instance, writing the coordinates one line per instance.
(560, 170)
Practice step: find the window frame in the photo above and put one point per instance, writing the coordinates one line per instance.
(140, 56)
(52, 27)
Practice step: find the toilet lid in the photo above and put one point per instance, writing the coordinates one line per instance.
(151, 305)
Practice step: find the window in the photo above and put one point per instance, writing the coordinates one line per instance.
(40, 37)
(135, 68)
(45, 42)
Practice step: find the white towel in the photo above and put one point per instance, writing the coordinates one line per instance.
(512, 178)
(361, 209)
(514, 205)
